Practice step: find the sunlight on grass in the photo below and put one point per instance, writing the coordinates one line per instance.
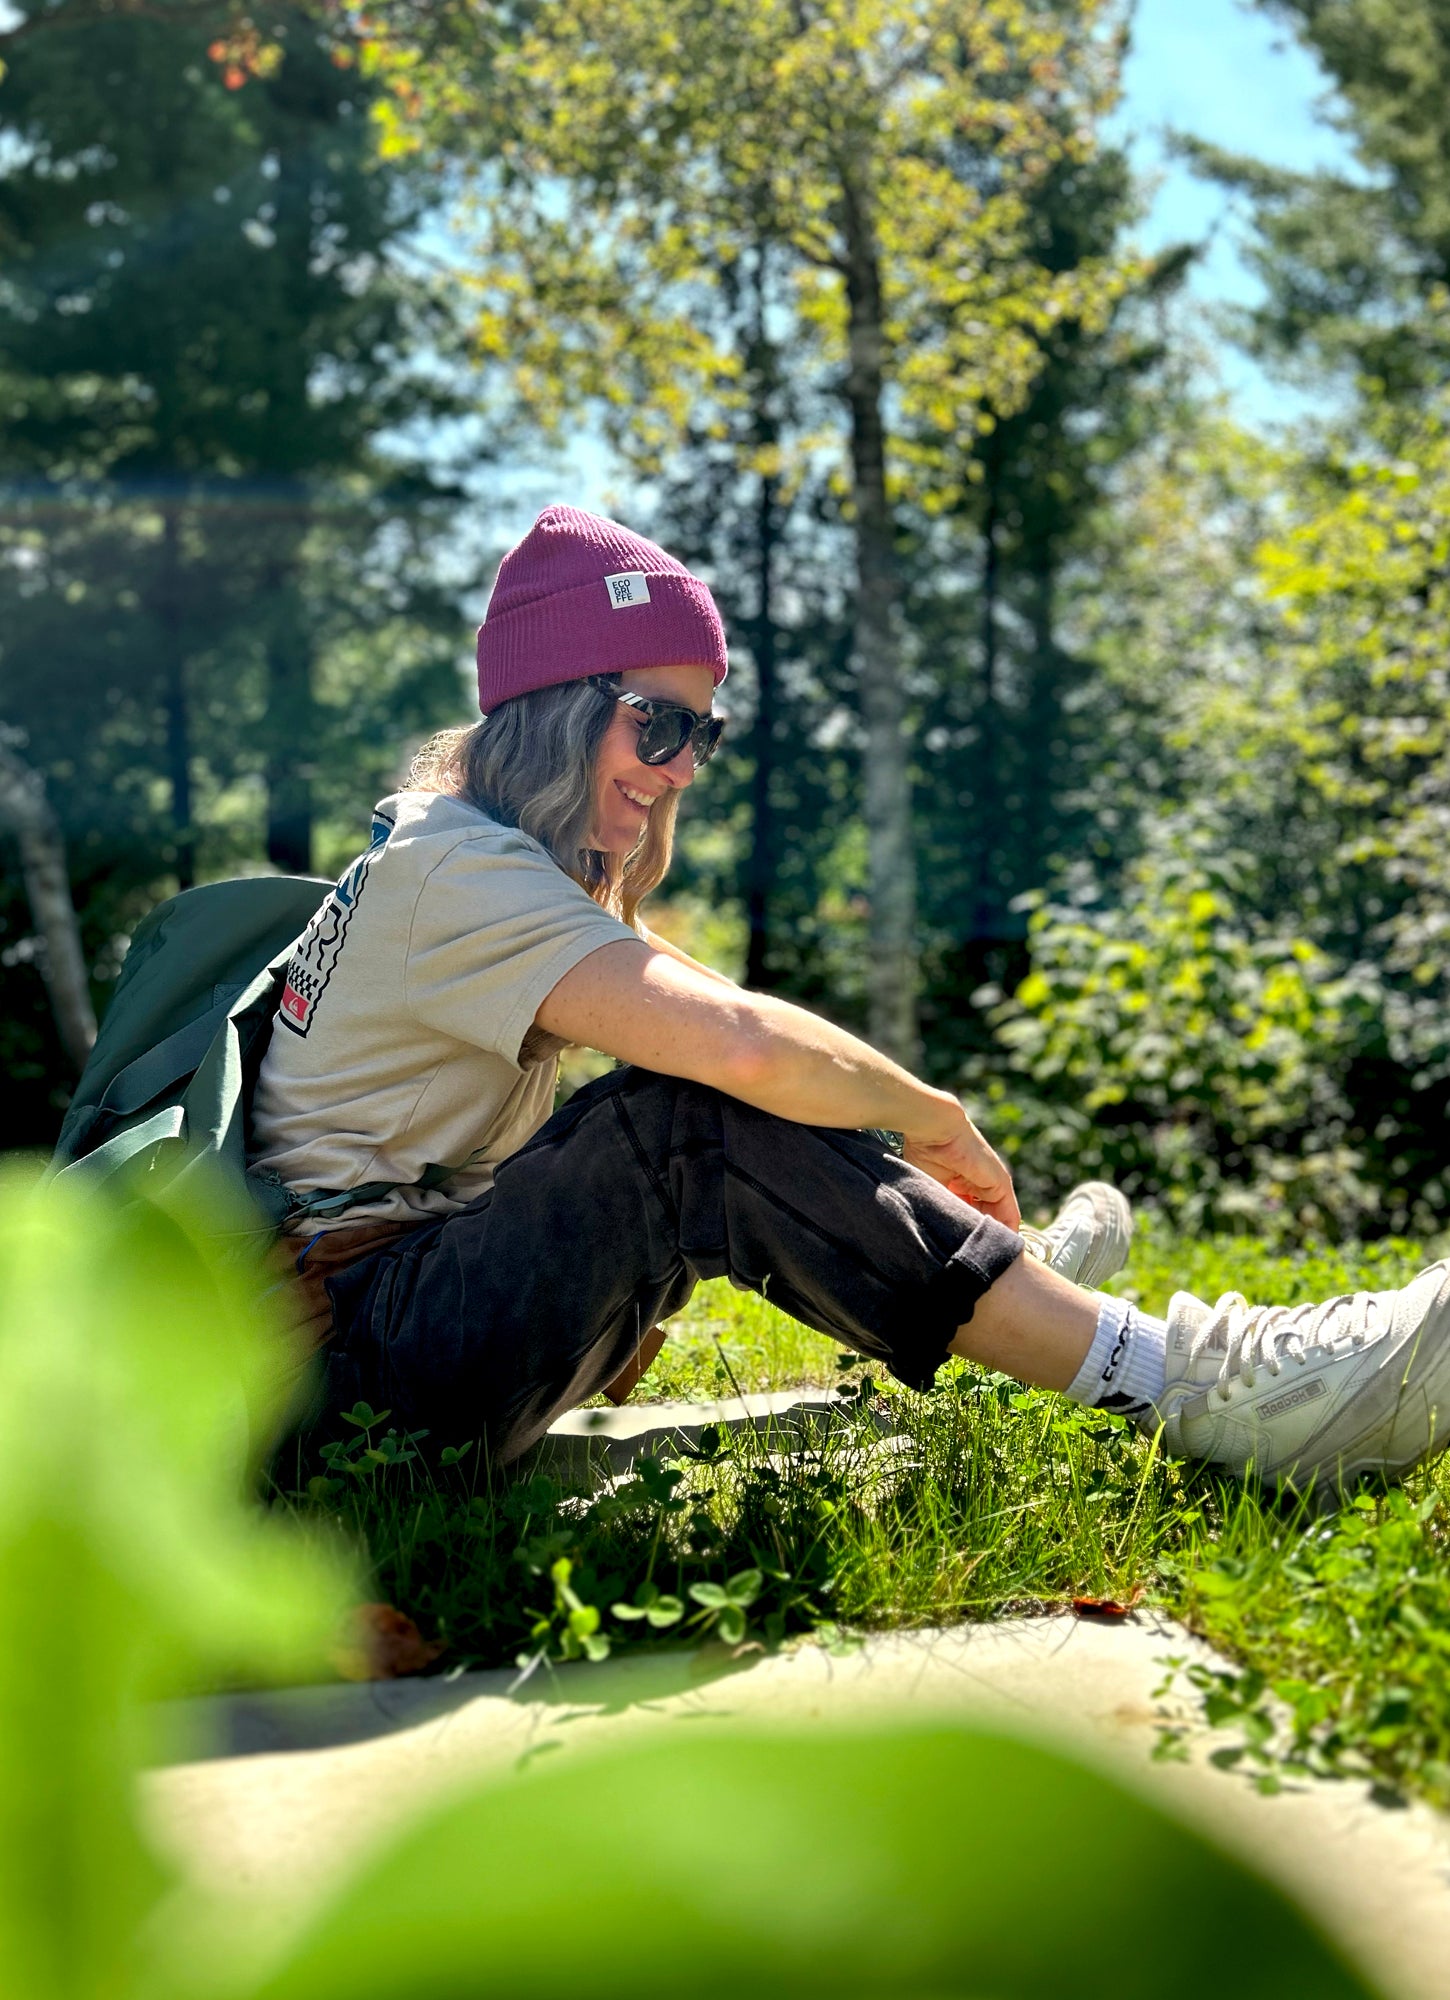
(725, 1339)
(724, 1333)
(979, 1499)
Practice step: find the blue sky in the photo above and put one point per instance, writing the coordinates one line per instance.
(1226, 73)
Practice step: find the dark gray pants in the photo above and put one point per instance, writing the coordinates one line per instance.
(492, 1322)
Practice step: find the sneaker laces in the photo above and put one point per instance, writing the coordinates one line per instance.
(1254, 1337)
(1043, 1244)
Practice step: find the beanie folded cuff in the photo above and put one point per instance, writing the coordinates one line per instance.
(566, 635)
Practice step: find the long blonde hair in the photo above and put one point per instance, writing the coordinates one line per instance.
(530, 764)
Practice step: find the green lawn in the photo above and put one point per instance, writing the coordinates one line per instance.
(981, 1499)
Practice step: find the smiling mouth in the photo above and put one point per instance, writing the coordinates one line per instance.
(644, 800)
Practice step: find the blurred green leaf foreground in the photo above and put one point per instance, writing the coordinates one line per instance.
(134, 1384)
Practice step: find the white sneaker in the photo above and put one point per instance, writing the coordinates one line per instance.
(1314, 1392)
(1087, 1240)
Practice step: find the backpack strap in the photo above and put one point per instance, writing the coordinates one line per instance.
(145, 1078)
(284, 1206)
(155, 1070)
(122, 1147)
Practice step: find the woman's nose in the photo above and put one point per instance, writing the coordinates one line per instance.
(681, 768)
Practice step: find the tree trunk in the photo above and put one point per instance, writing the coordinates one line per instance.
(291, 725)
(985, 919)
(178, 719)
(762, 810)
(760, 881)
(892, 974)
(1043, 716)
(291, 719)
(26, 811)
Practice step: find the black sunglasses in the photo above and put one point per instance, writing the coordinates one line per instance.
(668, 725)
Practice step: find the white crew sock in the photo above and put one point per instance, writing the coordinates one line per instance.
(1125, 1367)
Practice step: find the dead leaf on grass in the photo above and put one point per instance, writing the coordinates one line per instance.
(1106, 1609)
(383, 1644)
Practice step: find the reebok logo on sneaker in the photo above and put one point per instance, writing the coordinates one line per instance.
(1292, 1398)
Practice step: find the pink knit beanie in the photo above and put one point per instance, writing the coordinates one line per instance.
(581, 595)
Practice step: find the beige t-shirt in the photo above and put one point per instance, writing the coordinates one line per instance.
(400, 1042)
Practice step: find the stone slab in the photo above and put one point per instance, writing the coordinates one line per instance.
(588, 1447)
(282, 1822)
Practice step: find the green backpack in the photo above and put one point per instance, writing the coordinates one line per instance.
(168, 1087)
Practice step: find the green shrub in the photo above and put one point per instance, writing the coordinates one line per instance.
(1173, 1045)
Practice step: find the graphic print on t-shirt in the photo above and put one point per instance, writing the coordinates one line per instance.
(321, 943)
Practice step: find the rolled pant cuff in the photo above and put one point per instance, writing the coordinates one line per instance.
(918, 1349)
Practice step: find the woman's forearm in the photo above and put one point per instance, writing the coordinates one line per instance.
(798, 1066)
(664, 1013)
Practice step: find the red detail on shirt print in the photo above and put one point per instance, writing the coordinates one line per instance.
(320, 946)
(294, 1006)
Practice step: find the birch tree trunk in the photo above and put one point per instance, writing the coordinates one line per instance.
(26, 812)
(762, 369)
(985, 913)
(892, 973)
(291, 724)
(178, 716)
(1044, 714)
(761, 872)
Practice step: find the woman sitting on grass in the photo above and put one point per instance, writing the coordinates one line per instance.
(520, 1260)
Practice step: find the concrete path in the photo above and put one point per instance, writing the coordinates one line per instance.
(588, 1446)
(282, 1820)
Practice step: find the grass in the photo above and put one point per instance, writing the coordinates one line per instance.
(725, 1337)
(982, 1498)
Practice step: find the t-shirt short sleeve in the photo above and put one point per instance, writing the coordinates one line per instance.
(496, 926)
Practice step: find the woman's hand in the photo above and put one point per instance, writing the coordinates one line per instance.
(964, 1163)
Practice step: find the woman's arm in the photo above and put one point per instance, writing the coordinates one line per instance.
(658, 943)
(663, 1012)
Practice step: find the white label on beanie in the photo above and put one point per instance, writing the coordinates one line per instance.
(629, 587)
